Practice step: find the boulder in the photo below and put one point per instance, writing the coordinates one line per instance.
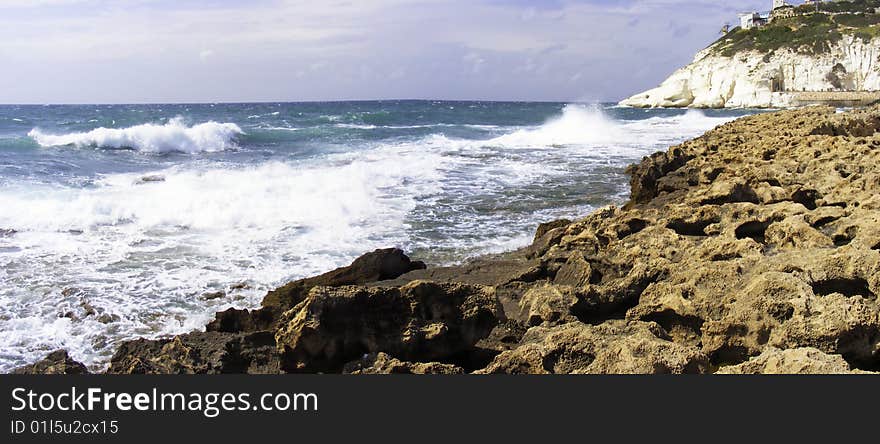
(548, 305)
(198, 353)
(421, 321)
(379, 265)
(56, 363)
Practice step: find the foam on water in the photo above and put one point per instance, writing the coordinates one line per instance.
(143, 252)
(578, 125)
(173, 136)
(132, 254)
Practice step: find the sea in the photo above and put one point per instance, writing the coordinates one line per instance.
(127, 221)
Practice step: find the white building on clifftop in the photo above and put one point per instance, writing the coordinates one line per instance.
(751, 20)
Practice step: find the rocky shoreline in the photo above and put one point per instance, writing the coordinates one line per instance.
(754, 248)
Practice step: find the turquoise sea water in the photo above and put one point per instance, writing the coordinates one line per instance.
(116, 221)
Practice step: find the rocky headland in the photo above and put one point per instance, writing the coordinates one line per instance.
(827, 57)
(754, 248)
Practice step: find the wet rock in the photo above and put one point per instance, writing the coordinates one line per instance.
(547, 227)
(198, 353)
(153, 178)
(379, 265)
(7, 232)
(384, 364)
(235, 320)
(418, 322)
(214, 295)
(611, 348)
(107, 318)
(55, 363)
(240, 286)
(646, 176)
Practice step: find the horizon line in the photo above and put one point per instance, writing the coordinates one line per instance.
(279, 102)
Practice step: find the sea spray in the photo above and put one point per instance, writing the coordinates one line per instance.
(110, 244)
(578, 125)
(173, 136)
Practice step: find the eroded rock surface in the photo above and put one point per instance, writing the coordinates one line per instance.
(754, 248)
(420, 321)
(807, 360)
(383, 364)
(55, 363)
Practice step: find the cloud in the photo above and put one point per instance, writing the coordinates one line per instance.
(142, 50)
(205, 54)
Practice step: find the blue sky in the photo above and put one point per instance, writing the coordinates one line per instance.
(101, 51)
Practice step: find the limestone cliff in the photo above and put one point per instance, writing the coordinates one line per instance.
(815, 58)
(752, 79)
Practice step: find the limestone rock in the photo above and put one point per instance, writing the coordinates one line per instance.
(418, 322)
(383, 364)
(198, 353)
(55, 363)
(747, 79)
(547, 305)
(792, 361)
(379, 265)
(613, 347)
(376, 266)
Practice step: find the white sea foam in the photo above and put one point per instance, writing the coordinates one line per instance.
(143, 252)
(174, 136)
(578, 125)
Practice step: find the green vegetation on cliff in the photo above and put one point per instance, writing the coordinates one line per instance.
(807, 32)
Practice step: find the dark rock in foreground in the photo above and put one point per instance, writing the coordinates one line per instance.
(55, 363)
(384, 364)
(418, 322)
(198, 353)
(379, 265)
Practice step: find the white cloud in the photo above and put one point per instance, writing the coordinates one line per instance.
(205, 54)
(298, 49)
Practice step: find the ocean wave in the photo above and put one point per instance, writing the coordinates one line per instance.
(578, 125)
(145, 250)
(174, 136)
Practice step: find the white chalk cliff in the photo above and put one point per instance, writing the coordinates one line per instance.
(752, 79)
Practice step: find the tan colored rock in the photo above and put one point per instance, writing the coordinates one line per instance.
(796, 233)
(384, 364)
(613, 347)
(803, 361)
(198, 353)
(55, 363)
(548, 304)
(418, 322)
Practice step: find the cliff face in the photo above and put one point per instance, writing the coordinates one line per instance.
(756, 79)
(754, 248)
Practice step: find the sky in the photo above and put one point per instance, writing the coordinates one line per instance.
(161, 51)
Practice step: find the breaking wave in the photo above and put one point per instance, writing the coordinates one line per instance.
(173, 136)
(578, 125)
